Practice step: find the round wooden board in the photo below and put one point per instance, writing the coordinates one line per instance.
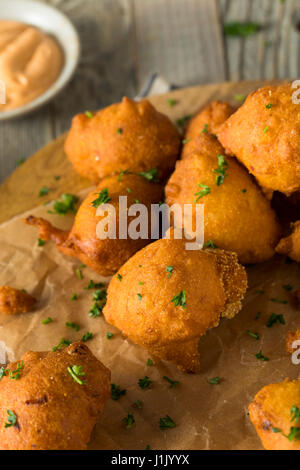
(20, 191)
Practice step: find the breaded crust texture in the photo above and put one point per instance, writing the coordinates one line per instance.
(207, 120)
(264, 134)
(237, 216)
(272, 415)
(290, 246)
(105, 255)
(53, 411)
(209, 285)
(14, 301)
(127, 135)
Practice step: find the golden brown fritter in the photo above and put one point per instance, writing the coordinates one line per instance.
(166, 297)
(290, 246)
(290, 338)
(275, 415)
(264, 134)
(105, 256)
(13, 301)
(207, 120)
(237, 217)
(124, 136)
(55, 401)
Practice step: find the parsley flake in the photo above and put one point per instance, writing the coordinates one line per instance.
(179, 300)
(203, 192)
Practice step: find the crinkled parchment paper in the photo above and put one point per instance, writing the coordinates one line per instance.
(207, 416)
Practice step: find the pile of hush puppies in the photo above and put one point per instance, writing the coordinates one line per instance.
(162, 296)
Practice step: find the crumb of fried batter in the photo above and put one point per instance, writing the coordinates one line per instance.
(13, 301)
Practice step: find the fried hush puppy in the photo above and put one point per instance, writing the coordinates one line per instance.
(207, 120)
(290, 246)
(105, 256)
(165, 298)
(54, 400)
(275, 414)
(14, 301)
(264, 134)
(237, 217)
(127, 135)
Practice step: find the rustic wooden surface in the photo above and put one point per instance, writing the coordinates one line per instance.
(20, 191)
(125, 41)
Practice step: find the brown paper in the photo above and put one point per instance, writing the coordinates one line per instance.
(207, 416)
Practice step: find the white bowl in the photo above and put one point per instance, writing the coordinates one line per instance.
(51, 21)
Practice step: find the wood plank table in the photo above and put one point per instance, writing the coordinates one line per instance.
(125, 41)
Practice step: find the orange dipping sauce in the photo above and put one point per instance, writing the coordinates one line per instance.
(30, 62)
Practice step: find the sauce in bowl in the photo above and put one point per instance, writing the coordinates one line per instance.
(30, 62)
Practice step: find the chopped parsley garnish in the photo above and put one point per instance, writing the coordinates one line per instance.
(73, 325)
(186, 141)
(94, 285)
(171, 382)
(102, 198)
(12, 419)
(128, 190)
(63, 342)
(210, 244)
(138, 404)
(183, 120)
(204, 130)
(122, 173)
(117, 392)
(150, 175)
(2, 372)
(275, 318)
(119, 130)
(149, 362)
(179, 300)
(74, 296)
(279, 301)
(169, 270)
(89, 114)
(47, 320)
(261, 357)
(44, 191)
(15, 374)
(266, 129)
(20, 161)
(144, 383)
(96, 310)
(166, 423)
(99, 294)
(87, 336)
(41, 242)
(288, 287)
(118, 276)
(239, 97)
(203, 192)
(237, 28)
(214, 381)
(269, 105)
(253, 335)
(57, 178)
(139, 296)
(244, 191)
(257, 316)
(221, 170)
(109, 335)
(76, 372)
(65, 204)
(129, 420)
(141, 283)
(295, 413)
(79, 273)
(171, 102)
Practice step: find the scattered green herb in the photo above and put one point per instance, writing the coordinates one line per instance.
(150, 175)
(253, 335)
(169, 270)
(261, 357)
(275, 318)
(117, 392)
(76, 372)
(203, 192)
(102, 198)
(179, 300)
(166, 423)
(171, 382)
(145, 383)
(87, 336)
(236, 28)
(47, 320)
